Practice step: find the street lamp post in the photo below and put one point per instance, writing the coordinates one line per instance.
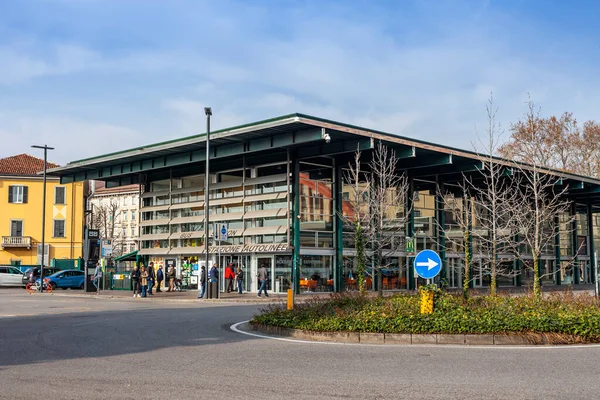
(208, 112)
(46, 148)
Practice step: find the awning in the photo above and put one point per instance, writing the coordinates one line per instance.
(127, 257)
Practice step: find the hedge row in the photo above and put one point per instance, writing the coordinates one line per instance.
(568, 314)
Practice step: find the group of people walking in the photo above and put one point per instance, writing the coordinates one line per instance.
(144, 279)
(232, 275)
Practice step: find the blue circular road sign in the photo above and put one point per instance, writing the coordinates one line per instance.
(427, 264)
(223, 230)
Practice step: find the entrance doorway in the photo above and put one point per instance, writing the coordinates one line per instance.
(268, 263)
(237, 260)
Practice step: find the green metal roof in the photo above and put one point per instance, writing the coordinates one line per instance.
(127, 257)
(283, 131)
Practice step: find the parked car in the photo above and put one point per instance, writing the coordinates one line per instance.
(35, 271)
(10, 276)
(69, 278)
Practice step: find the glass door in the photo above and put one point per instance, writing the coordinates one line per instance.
(455, 273)
(477, 274)
(244, 263)
(268, 263)
(222, 264)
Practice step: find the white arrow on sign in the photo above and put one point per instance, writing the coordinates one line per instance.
(429, 264)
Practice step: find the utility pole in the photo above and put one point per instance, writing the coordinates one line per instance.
(46, 148)
(208, 112)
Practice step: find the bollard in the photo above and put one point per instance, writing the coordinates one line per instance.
(426, 301)
(290, 299)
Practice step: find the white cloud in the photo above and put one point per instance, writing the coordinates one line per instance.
(428, 86)
(72, 139)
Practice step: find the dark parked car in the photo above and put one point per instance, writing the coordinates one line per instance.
(70, 278)
(33, 273)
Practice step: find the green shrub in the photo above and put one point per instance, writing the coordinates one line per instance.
(564, 314)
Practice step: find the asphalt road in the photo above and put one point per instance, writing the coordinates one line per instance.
(71, 348)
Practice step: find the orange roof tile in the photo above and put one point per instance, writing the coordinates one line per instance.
(23, 164)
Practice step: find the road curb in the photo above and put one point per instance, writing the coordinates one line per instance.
(403, 339)
(161, 299)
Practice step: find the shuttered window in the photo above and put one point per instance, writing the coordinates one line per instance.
(59, 228)
(17, 194)
(59, 195)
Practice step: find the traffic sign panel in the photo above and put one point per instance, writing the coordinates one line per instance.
(427, 264)
(220, 231)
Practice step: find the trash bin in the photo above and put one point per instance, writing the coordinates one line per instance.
(212, 290)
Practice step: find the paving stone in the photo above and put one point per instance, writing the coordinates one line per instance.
(450, 339)
(424, 339)
(479, 339)
(398, 338)
(373, 338)
(510, 340)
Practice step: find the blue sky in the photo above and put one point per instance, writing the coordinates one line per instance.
(95, 76)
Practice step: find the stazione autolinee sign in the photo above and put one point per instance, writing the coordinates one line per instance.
(252, 248)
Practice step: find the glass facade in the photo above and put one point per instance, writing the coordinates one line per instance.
(256, 204)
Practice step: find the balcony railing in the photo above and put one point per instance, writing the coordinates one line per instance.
(16, 241)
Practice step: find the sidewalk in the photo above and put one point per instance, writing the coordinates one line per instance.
(250, 297)
(183, 296)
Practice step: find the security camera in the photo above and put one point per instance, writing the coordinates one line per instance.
(327, 138)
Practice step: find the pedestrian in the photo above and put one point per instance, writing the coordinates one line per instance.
(160, 276)
(263, 277)
(229, 276)
(151, 276)
(202, 280)
(239, 277)
(135, 280)
(144, 278)
(97, 277)
(171, 278)
(214, 274)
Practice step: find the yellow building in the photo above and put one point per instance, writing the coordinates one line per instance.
(21, 190)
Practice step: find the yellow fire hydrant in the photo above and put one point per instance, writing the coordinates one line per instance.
(426, 301)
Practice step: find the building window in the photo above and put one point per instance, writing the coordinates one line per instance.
(17, 194)
(59, 228)
(127, 200)
(16, 228)
(132, 231)
(124, 215)
(59, 195)
(133, 215)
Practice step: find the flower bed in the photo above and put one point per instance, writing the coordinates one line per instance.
(561, 318)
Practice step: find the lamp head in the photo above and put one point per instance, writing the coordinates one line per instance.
(207, 111)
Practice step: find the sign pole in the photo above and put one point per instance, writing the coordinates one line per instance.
(222, 269)
(597, 291)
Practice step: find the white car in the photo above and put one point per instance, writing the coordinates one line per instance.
(11, 276)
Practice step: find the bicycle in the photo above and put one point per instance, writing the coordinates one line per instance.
(33, 287)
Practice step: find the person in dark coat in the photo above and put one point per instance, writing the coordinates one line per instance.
(135, 280)
(151, 277)
(239, 277)
(202, 279)
(160, 276)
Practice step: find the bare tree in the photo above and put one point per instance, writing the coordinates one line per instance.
(542, 200)
(482, 213)
(356, 216)
(387, 198)
(495, 197)
(458, 230)
(378, 217)
(106, 221)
